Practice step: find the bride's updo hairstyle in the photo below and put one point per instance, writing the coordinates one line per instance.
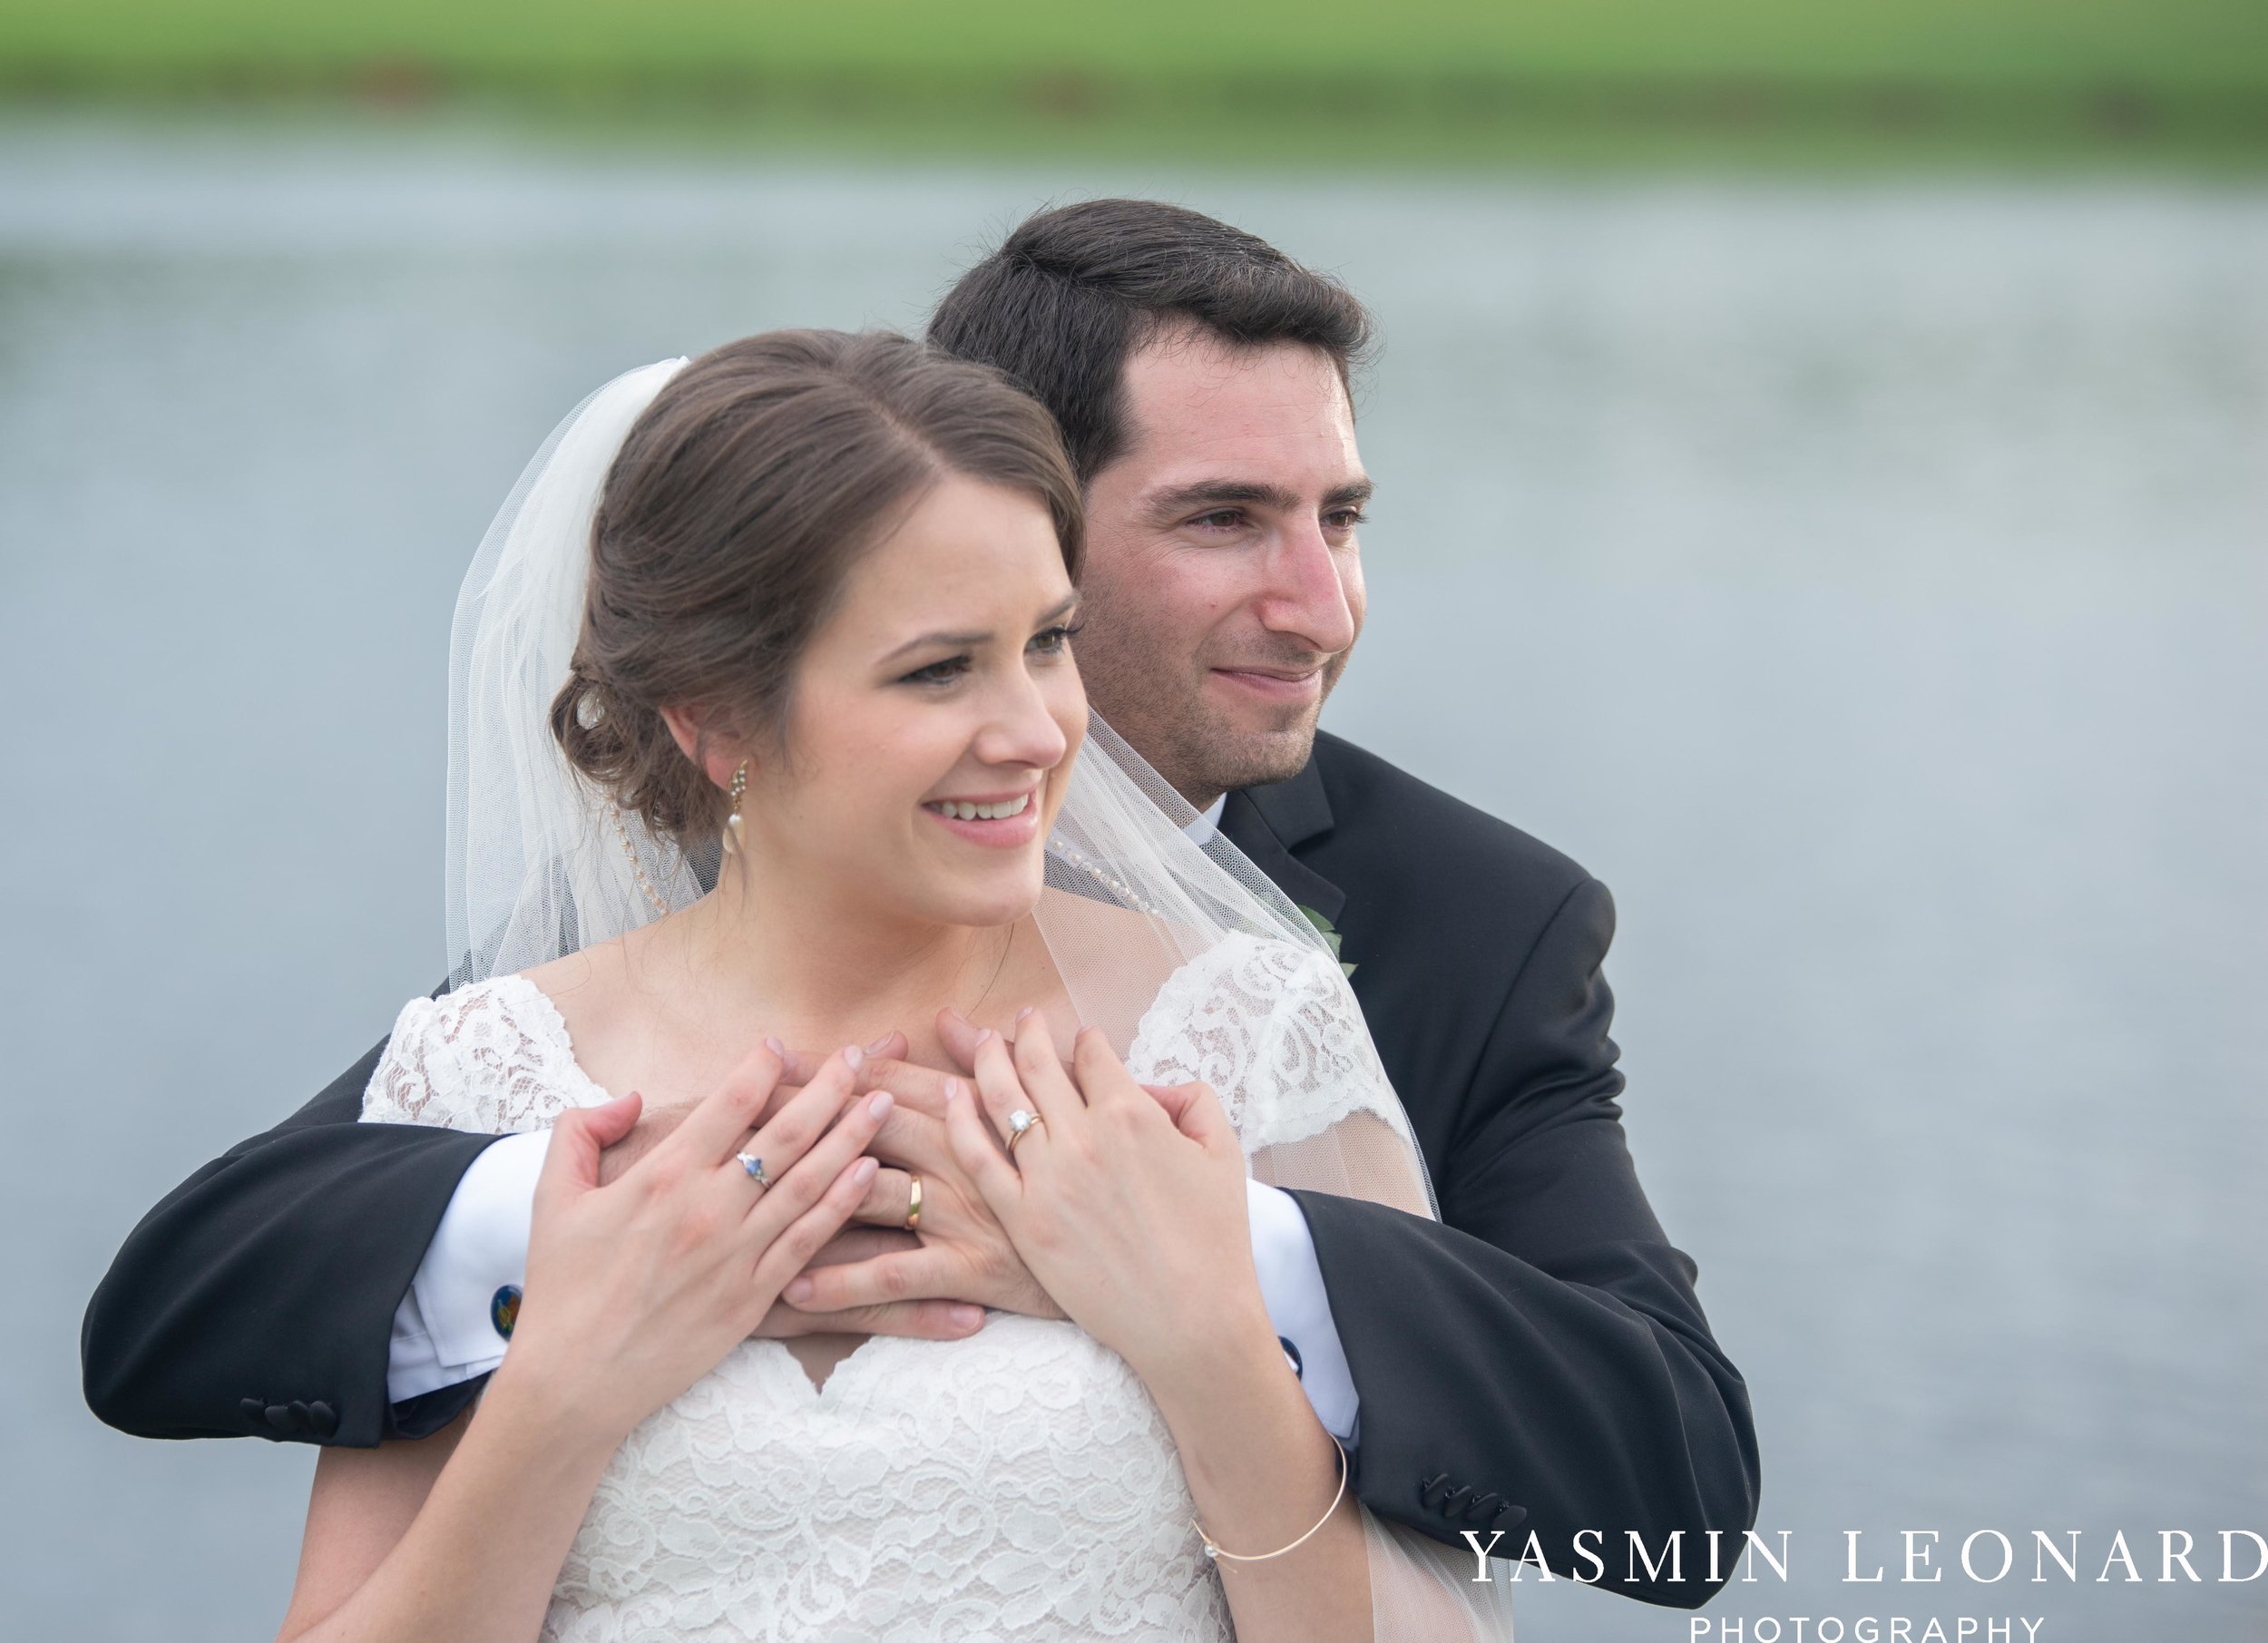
(730, 521)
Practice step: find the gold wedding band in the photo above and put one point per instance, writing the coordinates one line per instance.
(1021, 1123)
(914, 1204)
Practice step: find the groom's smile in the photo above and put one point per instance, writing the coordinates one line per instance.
(1277, 684)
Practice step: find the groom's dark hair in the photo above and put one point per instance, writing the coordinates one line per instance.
(1076, 289)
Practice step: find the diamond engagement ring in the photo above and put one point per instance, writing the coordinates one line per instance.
(1020, 1124)
(754, 1166)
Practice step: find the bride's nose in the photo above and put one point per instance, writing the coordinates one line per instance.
(1021, 729)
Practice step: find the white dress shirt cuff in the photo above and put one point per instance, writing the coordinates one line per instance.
(443, 1329)
(1291, 1285)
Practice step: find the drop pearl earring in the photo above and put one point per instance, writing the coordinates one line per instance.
(732, 822)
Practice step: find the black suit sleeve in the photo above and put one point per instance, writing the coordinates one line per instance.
(259, 1297)
(1538, 1361)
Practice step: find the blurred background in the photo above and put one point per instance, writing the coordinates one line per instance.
(1823, 487)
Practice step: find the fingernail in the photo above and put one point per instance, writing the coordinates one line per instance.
(864, 1170)
(875, 1048)
(776, 1048)
(953, 1090)
(1022, 1014)
(985, 1035)
(798, 1289)
(852, 1056)
(964, 1318)
(880, 1104)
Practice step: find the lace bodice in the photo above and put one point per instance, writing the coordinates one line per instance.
(1019, 1484)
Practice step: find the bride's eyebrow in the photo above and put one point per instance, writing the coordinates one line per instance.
(958, 641)
(964, 641)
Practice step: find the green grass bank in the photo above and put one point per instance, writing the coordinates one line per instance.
(2163, 79)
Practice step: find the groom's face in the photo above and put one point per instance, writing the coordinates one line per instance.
(1223, 588)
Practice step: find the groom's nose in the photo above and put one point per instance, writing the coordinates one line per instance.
(1305, 593)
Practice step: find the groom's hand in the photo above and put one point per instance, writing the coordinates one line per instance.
(959, 1253)
(931, 1319)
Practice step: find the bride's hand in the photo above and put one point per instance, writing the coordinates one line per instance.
(1130, 1215)
(636, 1289)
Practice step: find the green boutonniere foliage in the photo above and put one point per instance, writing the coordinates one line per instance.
(1330, 936)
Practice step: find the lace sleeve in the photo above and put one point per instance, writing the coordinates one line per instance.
(492, 1058)
(402, 1087)
(1274, 1030)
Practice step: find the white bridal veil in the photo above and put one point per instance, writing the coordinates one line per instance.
(540, 863)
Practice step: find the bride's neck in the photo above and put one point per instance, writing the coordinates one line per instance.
(820, 963)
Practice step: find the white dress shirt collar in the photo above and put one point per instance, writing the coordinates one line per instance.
(1207, 822)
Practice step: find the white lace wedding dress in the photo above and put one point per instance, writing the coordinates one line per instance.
(1018, 1484)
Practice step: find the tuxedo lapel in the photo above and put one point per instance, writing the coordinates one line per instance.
(1269, 823)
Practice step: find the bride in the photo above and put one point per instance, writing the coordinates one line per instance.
(766, 730)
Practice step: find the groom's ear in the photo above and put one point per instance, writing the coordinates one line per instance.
(699, 736)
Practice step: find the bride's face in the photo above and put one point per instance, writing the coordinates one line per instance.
(941, 685)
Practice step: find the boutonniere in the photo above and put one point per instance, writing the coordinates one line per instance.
(1330, 936)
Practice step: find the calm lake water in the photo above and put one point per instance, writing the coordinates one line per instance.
(1867, 580)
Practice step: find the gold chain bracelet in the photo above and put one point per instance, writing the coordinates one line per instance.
(1218, 1553)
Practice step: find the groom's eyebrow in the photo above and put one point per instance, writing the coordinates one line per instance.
(1167, 506)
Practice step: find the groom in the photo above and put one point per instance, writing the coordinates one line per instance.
(1536, 1362)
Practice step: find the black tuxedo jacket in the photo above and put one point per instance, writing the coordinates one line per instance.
(1536, 1362)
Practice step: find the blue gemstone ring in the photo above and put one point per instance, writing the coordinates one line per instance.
(754, 1166)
